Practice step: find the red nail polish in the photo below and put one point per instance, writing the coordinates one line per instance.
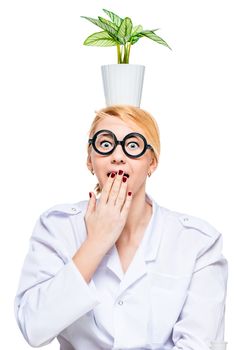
(112, 174)
(120, 172)
(124, 179)
(129, 193)
(90, 194)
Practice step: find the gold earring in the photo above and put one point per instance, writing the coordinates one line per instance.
(149, 173)
(92, 172)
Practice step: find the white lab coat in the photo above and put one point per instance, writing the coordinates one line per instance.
(171, 297)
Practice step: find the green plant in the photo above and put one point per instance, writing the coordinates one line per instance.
(121, 33)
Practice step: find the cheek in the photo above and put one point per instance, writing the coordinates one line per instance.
(143, 168)
(139, 176)
(101, 176)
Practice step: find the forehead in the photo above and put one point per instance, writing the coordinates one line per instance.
(118, 126)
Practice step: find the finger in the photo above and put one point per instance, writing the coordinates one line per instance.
(91, 203)
(106, 189)
(114, 192)
(122, 193)
(127, 205)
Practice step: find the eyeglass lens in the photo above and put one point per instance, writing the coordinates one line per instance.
(134, 145)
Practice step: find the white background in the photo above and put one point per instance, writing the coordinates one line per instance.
(50, 86)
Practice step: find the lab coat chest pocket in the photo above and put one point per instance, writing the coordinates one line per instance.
(167, 296)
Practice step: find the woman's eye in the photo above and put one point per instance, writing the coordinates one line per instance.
(105, 144)
(133, 145)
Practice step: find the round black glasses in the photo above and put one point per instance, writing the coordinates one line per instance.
(134, 144)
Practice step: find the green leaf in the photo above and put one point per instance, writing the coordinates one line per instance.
(150, 30)
(125, 29)
(102, 25)
(115, 18)
(108, 23)
(151, 35)
(100, 39)
(134, 39)
(136, 30)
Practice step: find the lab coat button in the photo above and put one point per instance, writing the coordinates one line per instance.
(186, 219)
(74, 209)
(120, 302)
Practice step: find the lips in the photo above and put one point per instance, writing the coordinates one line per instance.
(116, 172)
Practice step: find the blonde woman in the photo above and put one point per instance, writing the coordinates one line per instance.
(120, 271)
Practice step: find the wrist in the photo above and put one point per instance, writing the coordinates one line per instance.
(97, 247)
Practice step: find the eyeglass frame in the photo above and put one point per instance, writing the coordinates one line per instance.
(118, 142)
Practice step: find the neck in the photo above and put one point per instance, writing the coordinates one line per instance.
(138, 217)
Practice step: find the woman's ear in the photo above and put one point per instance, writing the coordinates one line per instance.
(89, 163)
(153, 164)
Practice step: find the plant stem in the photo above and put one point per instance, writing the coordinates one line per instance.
(125, 53)
(128, 53)
(122, 55)
(118, 53)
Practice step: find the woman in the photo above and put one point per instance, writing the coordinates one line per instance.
(120, 271)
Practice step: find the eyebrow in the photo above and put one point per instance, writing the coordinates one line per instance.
(107, 134)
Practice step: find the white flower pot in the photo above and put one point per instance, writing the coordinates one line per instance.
(123, 83)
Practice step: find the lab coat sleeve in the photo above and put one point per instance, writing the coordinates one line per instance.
(52, 293)
(202, 318)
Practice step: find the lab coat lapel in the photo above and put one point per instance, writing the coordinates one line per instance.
(135, 271)
(155, 233)
(148, 248)
(147, 251)
(114, 264)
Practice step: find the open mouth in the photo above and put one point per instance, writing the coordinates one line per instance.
(125, 174)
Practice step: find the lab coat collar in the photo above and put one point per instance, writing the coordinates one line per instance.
(153, 234)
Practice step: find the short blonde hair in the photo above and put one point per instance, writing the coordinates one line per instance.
(134, 114)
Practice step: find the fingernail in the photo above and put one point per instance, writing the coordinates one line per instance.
(120, 172)
(124, 179)
(90, 194)
(112, 174)
(129, 193)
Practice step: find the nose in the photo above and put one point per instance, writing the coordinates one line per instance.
(118, 155)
